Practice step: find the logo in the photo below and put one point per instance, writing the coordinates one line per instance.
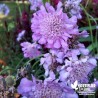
(75, 85)
(84, 89)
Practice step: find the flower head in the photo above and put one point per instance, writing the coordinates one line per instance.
(39, 90)
(4, 9)
(73, 7)
(35, 4)
(77, 69)
(30, 50)
(51, 61)
(52, 28)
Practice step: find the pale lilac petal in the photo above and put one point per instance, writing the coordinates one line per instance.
(59, 5)
(49, 8)
(84, 51)
(42, 41)
(57, 44)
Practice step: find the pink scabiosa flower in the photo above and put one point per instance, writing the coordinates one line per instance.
(52, 28)
(30, 50)
(52, 90)
(77, 69)
(39, 90)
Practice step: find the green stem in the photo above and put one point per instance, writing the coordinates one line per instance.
(89, 24)
(32, 59)
(19, 62)
(86, 3)
(19, 8)
(96, 39)
(35, 63)
(5, 70)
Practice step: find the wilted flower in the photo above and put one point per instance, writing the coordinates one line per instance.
(58, 54)
(35, 4)
(4, 9)
(52, 28)
(77, 69)
(73, 7)
(51, 61)
(2, 85)
(30, 50)
(48, 62)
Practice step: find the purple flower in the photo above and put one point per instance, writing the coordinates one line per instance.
(73, 7)
(35, 4)
(30, 50)
(48, 62)
(77, 69)
(39, 90)
(50, 78)
(20, 35)
(25, 87)
(4, 9)
(52, 28)
(96, 83)
(53, 90)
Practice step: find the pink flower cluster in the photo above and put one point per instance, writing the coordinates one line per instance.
(56, 32)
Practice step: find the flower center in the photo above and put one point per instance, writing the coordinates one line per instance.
(51, 26)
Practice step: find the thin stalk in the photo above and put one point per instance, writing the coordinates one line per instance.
(86, 3)
(89, 25)
(35, 63)
(19, 8)
(32, 59)
(96, 38)
(19, 62)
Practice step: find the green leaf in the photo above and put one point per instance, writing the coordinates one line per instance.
(92, 46)
(11, 26)
(88, 39)
(88, 28)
